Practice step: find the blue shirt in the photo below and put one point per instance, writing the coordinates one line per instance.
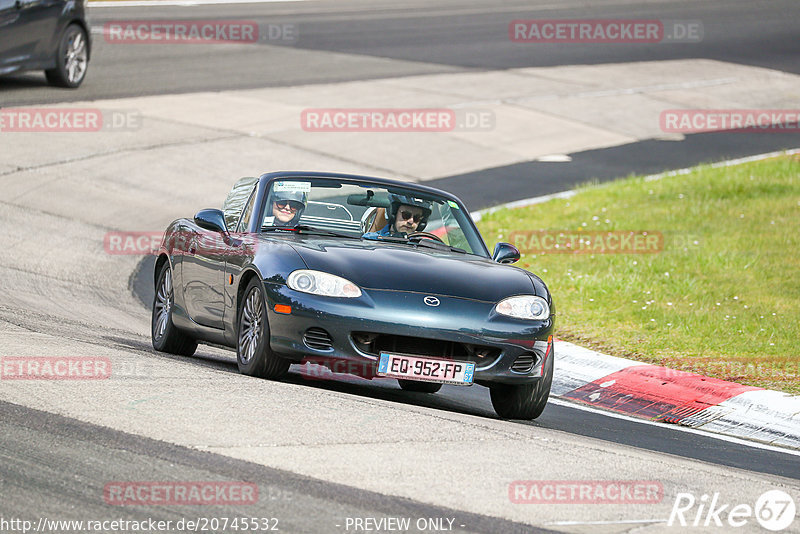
(383, 232)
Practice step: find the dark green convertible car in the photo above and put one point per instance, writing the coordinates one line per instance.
(393, 276)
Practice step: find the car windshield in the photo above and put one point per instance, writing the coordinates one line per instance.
(342, 208)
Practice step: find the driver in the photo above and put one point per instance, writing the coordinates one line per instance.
(405, 215)
(287, 207)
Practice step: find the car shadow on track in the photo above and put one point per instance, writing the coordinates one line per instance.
(449, 398)
(471, 400)
(21, 82)
(474, 401)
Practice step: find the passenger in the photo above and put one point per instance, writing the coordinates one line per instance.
(405, 215)
(287, 207)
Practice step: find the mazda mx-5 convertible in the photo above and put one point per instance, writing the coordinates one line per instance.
(382, 275)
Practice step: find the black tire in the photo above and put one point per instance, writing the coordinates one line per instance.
(166, 337)
(72, 59)
(525, 401)
(253, 354)
(419, 387)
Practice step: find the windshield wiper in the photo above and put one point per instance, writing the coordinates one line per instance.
(306, 229)
(421, 242)
(392, 239)
(429, 243)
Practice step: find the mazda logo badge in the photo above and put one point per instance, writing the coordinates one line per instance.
(431, 301)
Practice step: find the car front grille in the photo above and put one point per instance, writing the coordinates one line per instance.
(374, 344)
(318, 339)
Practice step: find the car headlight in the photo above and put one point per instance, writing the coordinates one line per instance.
(325, 284)
(524, 307)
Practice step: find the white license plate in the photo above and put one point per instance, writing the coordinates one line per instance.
(426, 369)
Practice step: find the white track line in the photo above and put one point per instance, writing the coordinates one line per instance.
(181, 3)
(649, 178)
(730, 439)
(708, 432)
(620, 522)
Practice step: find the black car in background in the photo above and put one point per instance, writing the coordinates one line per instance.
(51, 35)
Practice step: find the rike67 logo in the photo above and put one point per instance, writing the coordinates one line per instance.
(774, 510)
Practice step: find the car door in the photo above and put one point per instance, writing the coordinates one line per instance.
(203, 273)
(204, 268)
(27, 30)
(9, 34)
(41, 20)
(240, 254)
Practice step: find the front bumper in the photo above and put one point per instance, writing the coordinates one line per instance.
(505, 350)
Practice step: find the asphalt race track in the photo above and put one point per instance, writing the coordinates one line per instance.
(423, 37)
(355, 41)
(325, 453)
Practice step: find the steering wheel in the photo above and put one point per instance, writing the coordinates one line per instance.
(426, 235)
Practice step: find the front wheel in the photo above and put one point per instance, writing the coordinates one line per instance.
(419, 387)
(253, 354)
(72, 59)
(525, 401)
(166, 337)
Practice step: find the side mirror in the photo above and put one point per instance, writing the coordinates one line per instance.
(211, 219)
(505, 253)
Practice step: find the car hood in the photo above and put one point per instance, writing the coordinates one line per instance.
(423, 270)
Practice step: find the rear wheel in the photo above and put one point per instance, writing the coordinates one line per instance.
(525, 401)
(166, 337)
(253, 354)
(419, 387)
(72, 59)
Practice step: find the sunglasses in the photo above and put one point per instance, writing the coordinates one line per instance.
(282, 204)
(405, 215)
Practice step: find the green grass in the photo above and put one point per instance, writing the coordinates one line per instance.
(723, 296)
